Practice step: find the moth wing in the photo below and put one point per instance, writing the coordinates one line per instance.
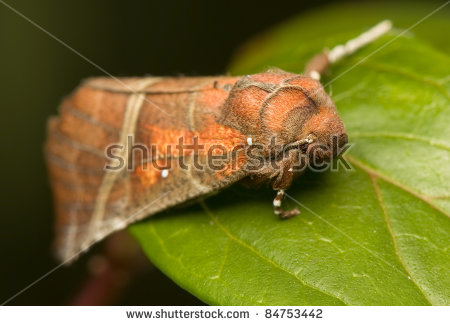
(91, 202)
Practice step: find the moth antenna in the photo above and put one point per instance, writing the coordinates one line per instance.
(330, 92)
(319, 64)
(341, 51)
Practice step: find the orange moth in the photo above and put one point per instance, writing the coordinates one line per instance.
(124, 149)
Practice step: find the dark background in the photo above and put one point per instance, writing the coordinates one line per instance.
(158, 37)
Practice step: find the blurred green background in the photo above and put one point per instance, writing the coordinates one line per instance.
(124, 38)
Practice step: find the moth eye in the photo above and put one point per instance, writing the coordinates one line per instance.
(310, 105)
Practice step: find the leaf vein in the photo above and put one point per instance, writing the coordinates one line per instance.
(381, 176)
(199, 276)
(405, 136)
(394, 240)
(401, 72)
(258, 254)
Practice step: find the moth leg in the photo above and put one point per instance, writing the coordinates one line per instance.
(282, 182)
(277, 207)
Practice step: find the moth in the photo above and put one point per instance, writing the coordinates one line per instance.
(124, 149)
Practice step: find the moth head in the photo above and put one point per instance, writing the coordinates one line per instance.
(282, 111)
(325, 135)
(300, 114)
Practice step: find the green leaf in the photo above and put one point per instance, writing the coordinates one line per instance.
(376, 235)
